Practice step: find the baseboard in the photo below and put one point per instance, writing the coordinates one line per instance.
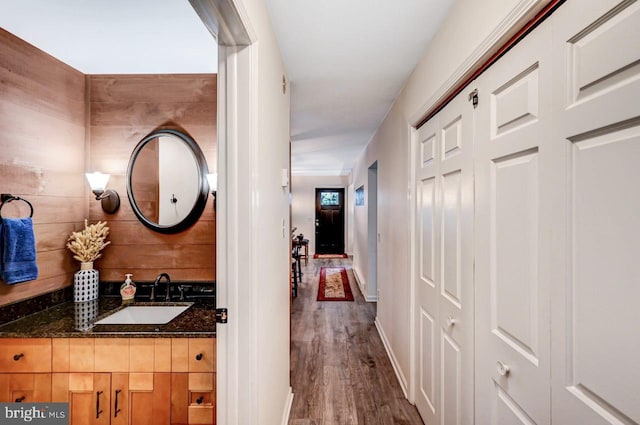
(287, 408)
(361, 285)
(359, 281)
(394, 362)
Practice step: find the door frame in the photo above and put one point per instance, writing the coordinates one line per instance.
(372, 233)
(237, 341)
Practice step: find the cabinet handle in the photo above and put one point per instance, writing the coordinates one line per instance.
(20, 399)
(200, 400)
(116, 410)
(17, 357)
(98, 411)
(199, 356)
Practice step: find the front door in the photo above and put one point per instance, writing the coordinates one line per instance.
(329, 221)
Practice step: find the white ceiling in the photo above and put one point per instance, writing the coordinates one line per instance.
(115, 36)
(347, 62)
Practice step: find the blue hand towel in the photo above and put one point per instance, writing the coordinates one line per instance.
(17, 250)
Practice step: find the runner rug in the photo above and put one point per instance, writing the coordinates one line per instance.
(334, 285)
(330, 256)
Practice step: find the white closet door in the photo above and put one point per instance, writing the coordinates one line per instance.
(515, 184)
(427, 281)
(444, 274)
(596, 303)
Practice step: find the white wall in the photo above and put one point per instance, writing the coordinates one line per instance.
(303, 204)
(462, 32)
(265, 294)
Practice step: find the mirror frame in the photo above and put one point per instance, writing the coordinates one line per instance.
(203, 194)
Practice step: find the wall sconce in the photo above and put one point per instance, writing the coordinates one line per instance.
(109, 198)
(213, 186)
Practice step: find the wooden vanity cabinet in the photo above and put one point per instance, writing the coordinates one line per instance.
(114, 381)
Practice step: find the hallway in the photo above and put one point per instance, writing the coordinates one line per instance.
(340, 371)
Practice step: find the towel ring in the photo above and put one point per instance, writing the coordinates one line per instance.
(6, 198)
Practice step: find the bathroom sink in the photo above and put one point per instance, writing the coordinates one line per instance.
(144, 315)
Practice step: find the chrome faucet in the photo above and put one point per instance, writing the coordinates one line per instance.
(168, 279)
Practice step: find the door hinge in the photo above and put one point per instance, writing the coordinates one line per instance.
(221, 315)
(473, 97)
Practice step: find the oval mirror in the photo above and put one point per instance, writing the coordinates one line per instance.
(166, 181)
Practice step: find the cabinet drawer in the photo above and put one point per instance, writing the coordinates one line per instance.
(202, 355)
(201, 415)
(25, 355)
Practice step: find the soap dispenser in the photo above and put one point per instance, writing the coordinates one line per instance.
(128, 288)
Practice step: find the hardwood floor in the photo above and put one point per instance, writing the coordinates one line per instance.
(340, 371)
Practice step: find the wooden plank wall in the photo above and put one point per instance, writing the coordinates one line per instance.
(56, 123)
(123, 110)
(42, 157)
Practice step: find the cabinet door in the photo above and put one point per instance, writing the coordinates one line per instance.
(88, 395)
(25, 387)
(179, 398)
(119, 398)
(149, 395)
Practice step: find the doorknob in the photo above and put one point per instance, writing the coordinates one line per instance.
(503, 369)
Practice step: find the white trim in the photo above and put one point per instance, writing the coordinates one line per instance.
(362, 285)
(522, 12)
(226, 336)
(287, 408)
(413, 252)
(236, 398)
(392, 357)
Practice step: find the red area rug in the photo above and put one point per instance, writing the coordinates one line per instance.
(330, 256)
(334, 285)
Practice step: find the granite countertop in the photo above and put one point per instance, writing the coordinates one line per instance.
(75, 320)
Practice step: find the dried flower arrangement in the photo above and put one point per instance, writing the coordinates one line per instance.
(87, 243)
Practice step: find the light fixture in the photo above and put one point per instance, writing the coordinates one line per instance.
(108, 197)
(213, 186)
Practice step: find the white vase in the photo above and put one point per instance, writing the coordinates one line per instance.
(85, 283)
(85, 314)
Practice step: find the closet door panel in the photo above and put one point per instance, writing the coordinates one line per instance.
(596, 313)
(427, 273)
(456, 297)
(514, 212)
(444, 265)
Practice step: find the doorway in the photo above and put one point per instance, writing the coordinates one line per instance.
(330, 221)
(372, 233)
